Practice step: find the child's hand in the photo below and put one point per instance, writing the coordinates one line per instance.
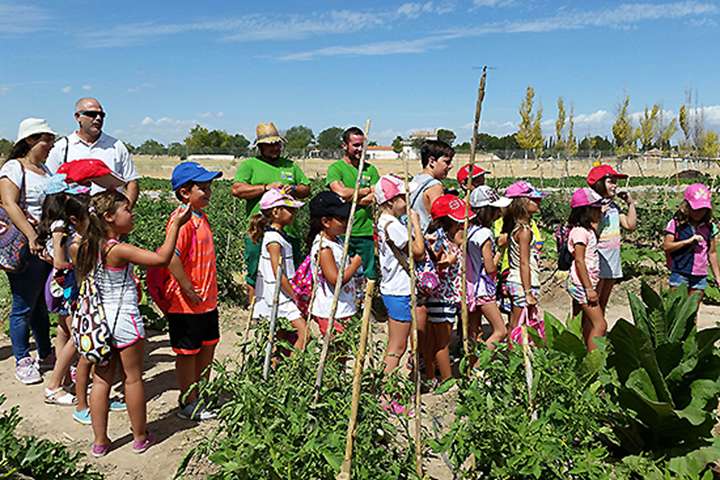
(696, 239)
(356, 260)
(182, 214)
(194, 298)
(530, 299)
(625, 197)
(272, 185)
(592, 297)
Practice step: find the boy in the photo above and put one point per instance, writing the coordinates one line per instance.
(193, 314)
(478, 177)
(436, 158)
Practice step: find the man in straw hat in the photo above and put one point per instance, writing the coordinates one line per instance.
(257, 175)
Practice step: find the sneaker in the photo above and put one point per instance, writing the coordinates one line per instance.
(26, 372)
(101, 450)
(82, 416)
(139, 446)
(195, 411)
(46, 364)
(117, 406)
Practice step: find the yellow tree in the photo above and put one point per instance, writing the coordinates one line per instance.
(685, 146)
(529, 136)
(625, 139)
(647, 132)
(571, 146)
(708, 147)
(560, 126)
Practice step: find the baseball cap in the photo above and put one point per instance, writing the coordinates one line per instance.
(602, 171)
(451, 206)
(91, 170)
(32, 126)
(462, 174)
(278, 198)
(329, 204)
(698, 196)
(484, 196)
(587, 196)
(523, 189)
(191, 171)
(388, 187)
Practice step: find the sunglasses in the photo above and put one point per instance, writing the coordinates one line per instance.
(93, 114)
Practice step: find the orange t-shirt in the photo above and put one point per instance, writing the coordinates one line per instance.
(197, 253)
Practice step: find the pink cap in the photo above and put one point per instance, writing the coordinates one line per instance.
(451, 206)
(587, 196)
(278, 198)
(698, 196)
(523, 189)
(388, 187)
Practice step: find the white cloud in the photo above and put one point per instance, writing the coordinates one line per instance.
(21, 19)
(86, 87)
(205, 115)
(493, 3)
(220, 114)
(380, 48)
(4, 91)
(164, 130)
(144, 85)
(703, 22)
(67, 89)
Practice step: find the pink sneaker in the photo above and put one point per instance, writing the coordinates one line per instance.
(26, 372)
(101, 450)
(139, 446)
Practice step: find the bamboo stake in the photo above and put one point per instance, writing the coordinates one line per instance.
(341, 270)
(247, 332)
(464, 311)
(357, 383)
(273, 319)
(313, 291)
(528, 368)
(413, 310)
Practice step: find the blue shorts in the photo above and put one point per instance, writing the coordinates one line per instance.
(398, 307)
(694, 282)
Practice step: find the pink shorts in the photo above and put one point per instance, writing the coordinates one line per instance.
(339, 325)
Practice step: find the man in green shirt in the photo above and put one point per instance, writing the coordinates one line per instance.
(257, 175)
(341, 177)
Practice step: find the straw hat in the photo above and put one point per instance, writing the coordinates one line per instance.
(267, 133)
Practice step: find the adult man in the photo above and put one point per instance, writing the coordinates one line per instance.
(257, 175)
(89, 141)
(341, 178)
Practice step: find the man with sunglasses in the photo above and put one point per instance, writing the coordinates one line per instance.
(89, 141)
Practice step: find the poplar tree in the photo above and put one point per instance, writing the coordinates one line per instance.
(625, 139)
(647, 132)
(529, 136)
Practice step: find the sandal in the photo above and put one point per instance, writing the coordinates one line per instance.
(52, 397)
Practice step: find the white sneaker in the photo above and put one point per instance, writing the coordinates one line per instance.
(26, 372)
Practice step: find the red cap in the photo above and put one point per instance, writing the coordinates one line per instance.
(91, 169)
(462, 174)
(451, 206)
(602, 171)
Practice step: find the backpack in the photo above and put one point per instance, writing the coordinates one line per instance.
(302, 283)
(531, 318)
(426, 274)
(565, 258)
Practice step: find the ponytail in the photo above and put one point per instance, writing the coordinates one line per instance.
(256, 227)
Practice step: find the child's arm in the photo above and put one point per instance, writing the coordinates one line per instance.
(713, 259)
(330, 270)
(59, 258)
(670, 245)
(489, 258)
(524, 237)
(418, 240)
(178, 271)
(275, 251)
(583, 274)
(74, 248)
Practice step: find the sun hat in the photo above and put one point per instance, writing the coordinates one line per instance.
(191, 171)
(463, 173)
(32, 126)
(267, 133)
(390, 186)
(450, 206)
(276, 197)
(484, 196)
(602, 171)
(329, 204)
(57, 184)
(523, 189)
(698, 196)
(91, 170)
(587, 196)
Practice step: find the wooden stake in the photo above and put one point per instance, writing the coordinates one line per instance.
(341, 271)
(247, 332)
(357, 383)
(273, 319)
(464, 311)
(528, 367)
(413, 311)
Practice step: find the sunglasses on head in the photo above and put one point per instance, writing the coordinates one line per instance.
(93, 113)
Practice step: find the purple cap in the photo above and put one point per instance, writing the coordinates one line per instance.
(698, 196)
(523, 189)
(278, 198)
(587, 196)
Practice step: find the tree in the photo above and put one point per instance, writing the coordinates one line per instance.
(417, 144)
(529, 136)
(330, 139)
(177, 149)
(685, 146)
(665, 131)
(560, 125)
(647, 132)
(5, 146)
(299, 137)
(625, 139)
(447, 136)
(570, 145)
(372, 143)
(130, 148)
(151, 147)
(709, 145)
(596, 143)
(398, 144)
(464, 147)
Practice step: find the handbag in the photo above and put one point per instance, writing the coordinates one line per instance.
(14, 249)
(531, 318)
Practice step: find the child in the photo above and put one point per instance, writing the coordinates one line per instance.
(523, 281)
(584, 275)
(478, 177)
(603, 179)
(111, 264)
(393, 244)
(486, 204)
(328, 220)
(62, 209)
(277, 210)
(690, 242)
(448, 213)
(193, 315)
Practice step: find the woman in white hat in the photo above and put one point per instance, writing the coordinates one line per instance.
(22, 181)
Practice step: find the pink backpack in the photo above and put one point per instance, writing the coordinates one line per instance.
(531, 318)
(302, 283)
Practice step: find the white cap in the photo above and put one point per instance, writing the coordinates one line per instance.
(484, 196)
(31, 126)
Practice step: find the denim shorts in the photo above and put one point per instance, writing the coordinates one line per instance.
(694, 282)
(398, 307)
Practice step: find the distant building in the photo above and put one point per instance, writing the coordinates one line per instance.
(409, 151)
(382, 153)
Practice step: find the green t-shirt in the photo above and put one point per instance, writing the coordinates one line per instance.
(347, 174)
(255, 171)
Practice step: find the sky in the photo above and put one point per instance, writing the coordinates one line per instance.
(160, 68)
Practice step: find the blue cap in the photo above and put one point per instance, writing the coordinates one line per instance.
(191, 171)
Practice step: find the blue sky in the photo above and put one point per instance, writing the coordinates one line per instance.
(159, 68)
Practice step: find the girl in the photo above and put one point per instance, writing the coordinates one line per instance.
(328, 220)
(584, 275)
(111, 264)
(277, 210)
(448, 213)
(523, 282)
(690, 242)
(603, 179)
(63, 208)
(486, 204)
